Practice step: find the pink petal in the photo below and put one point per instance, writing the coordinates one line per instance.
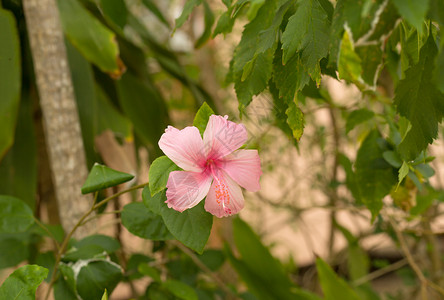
(222, 137)
(186, 189)
(225, 197)
(244, 166)
(184, 147)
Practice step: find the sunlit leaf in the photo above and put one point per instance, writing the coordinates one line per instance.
(23, 282)
(202, 117)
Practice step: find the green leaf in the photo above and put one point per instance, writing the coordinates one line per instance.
(105, 295)
(107, 243)
(46, 260)
(101, 177)
(349, 65)
(333, 287)
(13, 249)
(307, 32)
(159, 172)
(18, 169)
(191, 227)
(15, 215)
(144, 106)
(245, 52)
(187, 10)
(96, 276)
(414, 11)
(256, 259)
(357, 117)
(180, 289)
(149, 271)
(374, 175)
(156, 11)
(115, 11)
(62, 290)
(224, 24)
(202, 117)
(371, 63)
(403, 171)
(418, 99)
(23, 282)
(133, 263)
(213, 259)
(10, 79)
(392, 158)
(209, 21)
(295, 120)
(95, 41)
(140, 221)
(289, 78)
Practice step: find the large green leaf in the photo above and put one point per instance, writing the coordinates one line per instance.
(10, 79)
(18, 169)
(23, 282)
(15, 215)
(95, 41)
(414, 11)
(96, 276)
(101, 177)
(375, 177)
(141, 221)
(250, 71)
(418, 99)
(307, 32)
(143, 105)
(256, 259)
(159, 172)
(334, 288)
(191, 227)
(13, 249)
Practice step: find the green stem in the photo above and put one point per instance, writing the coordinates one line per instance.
(95, 205)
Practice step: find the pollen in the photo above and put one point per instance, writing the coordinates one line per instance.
(222, 194)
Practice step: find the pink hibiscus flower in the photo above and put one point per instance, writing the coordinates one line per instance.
(213, 167)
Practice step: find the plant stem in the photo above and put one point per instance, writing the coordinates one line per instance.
(79, 223)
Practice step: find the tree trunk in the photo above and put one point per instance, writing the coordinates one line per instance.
(60, 116)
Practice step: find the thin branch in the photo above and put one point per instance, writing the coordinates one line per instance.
(380, 272)
(37, 221)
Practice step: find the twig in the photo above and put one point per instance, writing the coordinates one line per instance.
(380, 272)
(37, 221)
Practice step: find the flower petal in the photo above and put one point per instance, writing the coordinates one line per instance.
(225, 197)
(186, 189)
(244, 167)
(222, 137)
(184, 147)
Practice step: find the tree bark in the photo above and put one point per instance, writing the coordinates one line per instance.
(60, 116)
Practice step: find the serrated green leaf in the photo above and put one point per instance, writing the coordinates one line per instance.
(414, 11)
(357, 117)
(374, 174)
(187, 10)
(418, 99)
(202, 117)
(191, 227)
(144, 223)
(95, 277)
(95, 41)
(224, 24)
(10, 79)
(307, 32)
(257, 80)
(180, 289)
(23, 282)
(349, 64)
(333, 287)
(159, 172)
(289, 78)
(296, 120)
(15, 215)
(101, 177)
